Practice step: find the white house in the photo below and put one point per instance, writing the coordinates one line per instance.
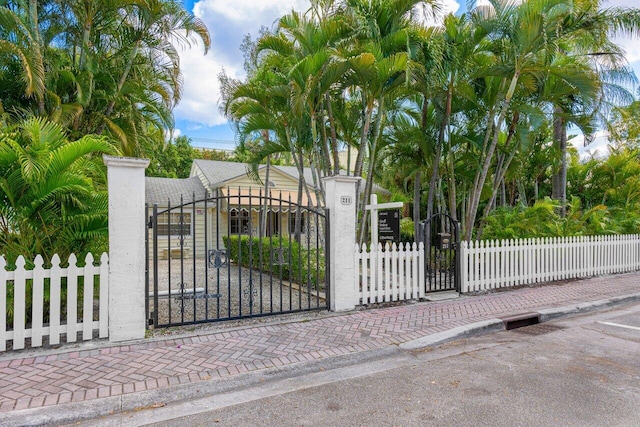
(235, 204)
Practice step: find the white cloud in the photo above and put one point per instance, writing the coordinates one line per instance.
(228, 22)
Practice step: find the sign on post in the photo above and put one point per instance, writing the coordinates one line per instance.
(378, 210)
(389, 226)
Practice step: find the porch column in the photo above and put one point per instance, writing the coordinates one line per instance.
(341, 202)
(126, 247)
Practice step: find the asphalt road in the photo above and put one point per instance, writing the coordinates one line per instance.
(581, 371)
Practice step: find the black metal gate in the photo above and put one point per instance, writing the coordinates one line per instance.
(441, 236)
(236, 254)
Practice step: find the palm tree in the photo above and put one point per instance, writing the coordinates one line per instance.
(588, 28)
(20, 40)
(98, 66)
(49, 202)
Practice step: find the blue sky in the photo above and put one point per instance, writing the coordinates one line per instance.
(197, 115)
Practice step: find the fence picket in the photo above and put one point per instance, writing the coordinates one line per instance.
(3, 304)
(483, 275)
(87, 298)
(379, 272)
(19, 304)
(420, 263)
(37, 304)
(72, 298)
(104, 296)
(395, 272)
(54, 310)
(388, 289)
(415, 287)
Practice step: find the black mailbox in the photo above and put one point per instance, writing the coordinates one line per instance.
(442, 241)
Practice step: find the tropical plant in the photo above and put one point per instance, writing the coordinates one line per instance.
(52, 191)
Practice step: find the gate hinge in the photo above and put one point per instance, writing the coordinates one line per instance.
(150, 223)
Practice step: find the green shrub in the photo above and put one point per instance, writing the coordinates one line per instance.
(300, 265)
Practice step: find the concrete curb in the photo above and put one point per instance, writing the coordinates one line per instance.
(496, 325)
(567, 310)
(477, 328)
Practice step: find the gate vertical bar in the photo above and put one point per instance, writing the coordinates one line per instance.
(250, 253)
(458, 267)
(206, 256)
(146, 263)
(261, 232)
(193, 252)
(181, 237)
(154, 224)
(327, 264)
(169, 259)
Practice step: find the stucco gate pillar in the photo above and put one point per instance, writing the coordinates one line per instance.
(341, 201)
(126, 187)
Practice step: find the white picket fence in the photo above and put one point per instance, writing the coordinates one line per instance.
(495, 264)
(394, 273)
(397, 272)
(63, 315)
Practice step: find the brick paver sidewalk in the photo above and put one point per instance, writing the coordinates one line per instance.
(34, 382)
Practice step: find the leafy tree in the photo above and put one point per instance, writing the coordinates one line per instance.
(624, 127)
(173, 159)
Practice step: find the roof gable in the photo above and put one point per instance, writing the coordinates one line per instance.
(219, 173)
(278, 178)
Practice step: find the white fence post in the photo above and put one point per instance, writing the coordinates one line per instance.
(341, 201)
(126, 247)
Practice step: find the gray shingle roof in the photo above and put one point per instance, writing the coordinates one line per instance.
(159, 190)
(217, 172)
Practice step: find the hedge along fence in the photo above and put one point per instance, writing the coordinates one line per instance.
(298, 265)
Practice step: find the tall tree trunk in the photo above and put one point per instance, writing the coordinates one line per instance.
(453, 196)
(35, 28)
(487, 158)
(334, 137)
(265, 204)
(121, 82)
(325, 159)
(559, 191)
(417, 191)
(372, 160)
(502, 166)
(417, 185)
(367, 112)
(435, 168)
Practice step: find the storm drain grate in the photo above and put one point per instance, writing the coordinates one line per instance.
(538, 329)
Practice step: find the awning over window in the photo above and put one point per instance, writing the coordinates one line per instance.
(277, 200)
